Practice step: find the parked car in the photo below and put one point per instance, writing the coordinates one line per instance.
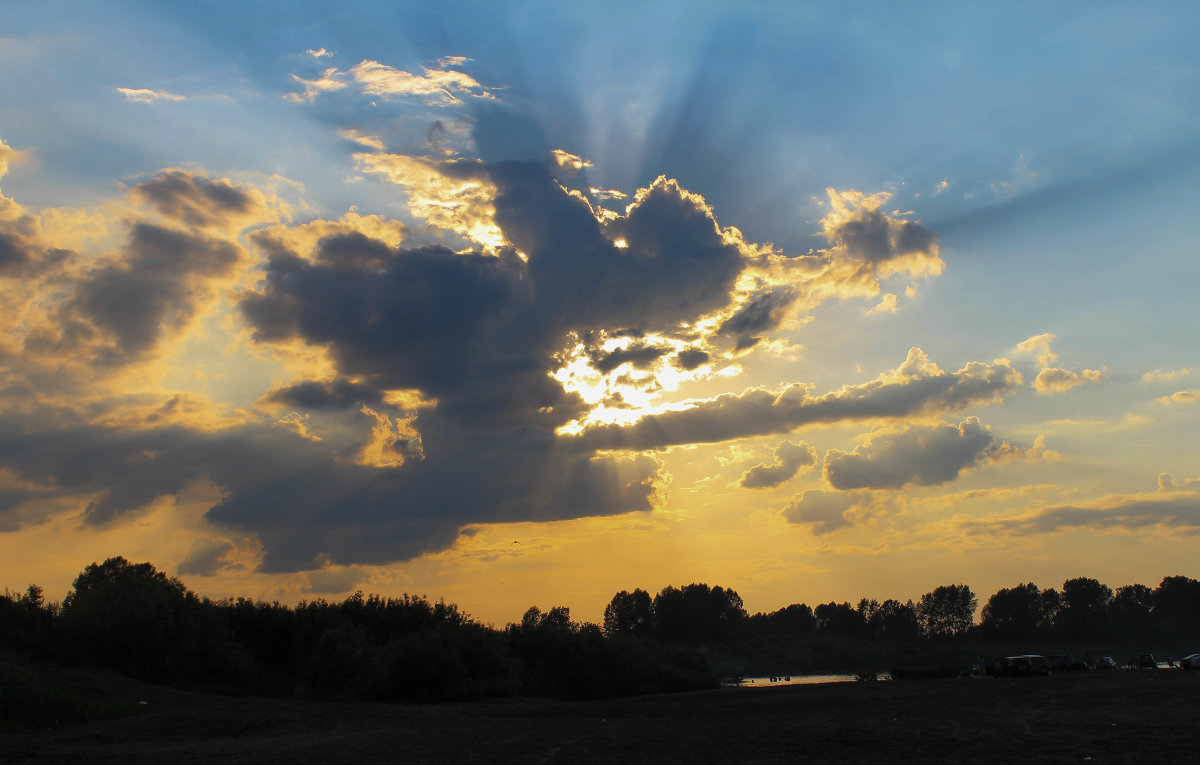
(1066, 663)
(1146, 661)
(1191, 661)
(1026, 665)
(1106, 662)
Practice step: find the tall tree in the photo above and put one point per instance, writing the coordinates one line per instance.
(947, 611)
(1130, 612)
(838, 620)
(1083, 612)
(698, 613)
(629, 613)
(1177, 607)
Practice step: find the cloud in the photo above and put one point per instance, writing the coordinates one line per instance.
(206, 557)
(1168, 374)
(193, 199)
(319, 53)
(918, 455)
(1038, 346)
(438, 397)
(825, 512)
(438, 87)
(147, 96)
(369, 141)
(329, 81)
(8, 155)
(790, 459)
(1052, 380)
(916, 387)
(887, 304)
(1168, 482)
(1181, 397)
(157, 285)
(335, 394)
(1176, 506)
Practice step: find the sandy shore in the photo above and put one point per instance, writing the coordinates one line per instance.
(1124, 716)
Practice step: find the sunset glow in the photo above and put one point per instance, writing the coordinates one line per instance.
(537, 302)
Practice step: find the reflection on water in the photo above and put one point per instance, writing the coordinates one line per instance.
(762, 682)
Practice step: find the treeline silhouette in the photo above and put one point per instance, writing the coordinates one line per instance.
(136, 619)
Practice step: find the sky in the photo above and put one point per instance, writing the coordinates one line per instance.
(528, 303)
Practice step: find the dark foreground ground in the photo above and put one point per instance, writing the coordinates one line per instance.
(1123, 716)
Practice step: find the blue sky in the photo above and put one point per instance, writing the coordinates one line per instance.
(1045, 158)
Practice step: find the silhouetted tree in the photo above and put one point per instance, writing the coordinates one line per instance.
(1050, 602)
(698, 613)
(27, 621)
(947, 611)
(629, 613)
(1083, 611)
(838, 620)
(137, 619)
(1130, 612)
(895, 621)
(1177, 607)
(1012, 614)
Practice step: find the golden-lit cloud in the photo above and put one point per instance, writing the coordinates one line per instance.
(370, 141)
(148, 96)
(1165, 374)
(1176, 507)
(1038, 347)
(916, 387)
(438, 87)
(1182, 397)
(887, 304)
(8, 155)
(1053, 380)
(328, 82)
(459, 203)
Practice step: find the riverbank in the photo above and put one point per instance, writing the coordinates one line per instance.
(1125, 716)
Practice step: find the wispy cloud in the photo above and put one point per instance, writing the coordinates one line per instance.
(436, 86)
(1157, 375)
(148, 96)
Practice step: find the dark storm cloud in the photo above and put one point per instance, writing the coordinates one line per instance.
(193, 199)
(311, 394)
(920, 455)
(875, 237)
(306, 506)
(676, 267)
(157, 284)
(480, 333)
(429, 319)
(1172, 510)
(22, 256)
(639, 355)
(691, 358)
(761, 314)
(789, 459)
(14, 256)
(918, 388)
